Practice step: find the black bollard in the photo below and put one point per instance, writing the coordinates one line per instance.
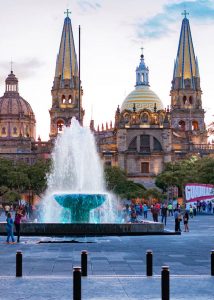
(212, 262)
(165, 283)
(76, 283)
(19, 263)
(149, 262)
(84, 262)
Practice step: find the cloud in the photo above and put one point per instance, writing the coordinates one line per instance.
(158, 25)
(89, 5)
(22, 70)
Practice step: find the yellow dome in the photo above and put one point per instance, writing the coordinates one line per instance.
(142, 97)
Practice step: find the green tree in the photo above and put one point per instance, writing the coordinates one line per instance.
(117, 183)
(179, 173)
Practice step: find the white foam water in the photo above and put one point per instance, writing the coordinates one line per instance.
(76, 168)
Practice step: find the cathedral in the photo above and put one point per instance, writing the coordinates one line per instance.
(144, 135)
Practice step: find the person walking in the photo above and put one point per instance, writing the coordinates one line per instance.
(155, 212)
(145, 211)
(177, 217)
(170, 209)
(186, 221)
(9, 228)
(164, 210)
(17, 222)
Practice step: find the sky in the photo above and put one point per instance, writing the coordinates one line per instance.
(113, 32)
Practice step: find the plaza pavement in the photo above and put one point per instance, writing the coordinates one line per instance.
(116, 266)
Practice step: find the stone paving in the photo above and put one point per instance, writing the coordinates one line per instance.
(116, 265)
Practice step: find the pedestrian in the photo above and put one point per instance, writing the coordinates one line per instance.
(9, 228)
(191, 211)
(186, 221)
(145, 211)
(155, 212)
(194, 210)
(178, 218)
(133, 217)
(17, 222)
(170, 209)
(164, 210)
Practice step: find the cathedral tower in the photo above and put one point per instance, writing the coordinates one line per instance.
(65, 90)
(187, 114)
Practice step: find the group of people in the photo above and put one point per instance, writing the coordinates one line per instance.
(134, 213)
(10, 222)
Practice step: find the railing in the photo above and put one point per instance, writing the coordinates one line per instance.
(208, 148)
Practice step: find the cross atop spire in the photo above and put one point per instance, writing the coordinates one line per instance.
(185, 13)
(67, 12)
(11, 66)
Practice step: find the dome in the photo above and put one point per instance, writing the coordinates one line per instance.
(16, 115)
(15, 105)
(142, 97)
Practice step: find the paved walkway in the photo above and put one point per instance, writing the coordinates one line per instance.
(116, 265)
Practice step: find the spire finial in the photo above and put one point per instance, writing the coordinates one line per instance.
(141, 50)
(11, 66)
(67, 12)
(185, 13)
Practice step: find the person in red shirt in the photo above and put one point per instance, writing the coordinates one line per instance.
(17, 222)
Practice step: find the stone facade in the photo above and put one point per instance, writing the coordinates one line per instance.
(144, 137)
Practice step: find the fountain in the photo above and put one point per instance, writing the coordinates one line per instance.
(80, 204)
(76, 181)
(76, 200)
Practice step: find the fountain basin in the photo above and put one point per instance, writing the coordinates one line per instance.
(80, 204)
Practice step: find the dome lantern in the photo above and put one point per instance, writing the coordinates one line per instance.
(11, 83)
(142, 97)
(142, 72)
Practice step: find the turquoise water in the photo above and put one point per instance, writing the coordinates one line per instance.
(78, 206)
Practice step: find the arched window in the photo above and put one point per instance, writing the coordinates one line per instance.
(133, 145)
(14, 130)
(145, 118)
(181, 125)
(27, 131)
(190, 100)
(69, 99)
(3, 130)
(60, 125)
(157, 145)
(194, 125)
(184, 99)
(126, 118)
(63, 99)
(144, 143)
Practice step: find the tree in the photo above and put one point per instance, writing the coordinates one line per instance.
(117, 182)
(19, 177)
(192, 170)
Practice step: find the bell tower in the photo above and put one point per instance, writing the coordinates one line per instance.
(65, 91)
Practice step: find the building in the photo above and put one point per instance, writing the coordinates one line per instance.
(65, 90)
(145, 135)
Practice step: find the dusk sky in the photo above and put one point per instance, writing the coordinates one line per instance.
(113, 31)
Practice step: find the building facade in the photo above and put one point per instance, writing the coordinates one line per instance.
(144, 136)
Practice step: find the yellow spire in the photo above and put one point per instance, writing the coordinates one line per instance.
(186, 66)
(66, 65)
